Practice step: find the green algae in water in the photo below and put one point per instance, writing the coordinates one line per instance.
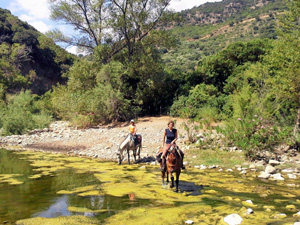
(10, 179)
(130, 192)
(83, 210)
(74, 220)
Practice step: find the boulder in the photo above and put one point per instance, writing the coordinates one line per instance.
(233, 219)
(274, 162)
(264, 175)
(270, 169)
(277, 176)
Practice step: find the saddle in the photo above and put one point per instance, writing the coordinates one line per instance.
(159, 155)
(137, 139)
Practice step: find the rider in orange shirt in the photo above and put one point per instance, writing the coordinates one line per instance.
(132, 131)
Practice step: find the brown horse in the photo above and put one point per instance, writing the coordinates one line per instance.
(174, 162)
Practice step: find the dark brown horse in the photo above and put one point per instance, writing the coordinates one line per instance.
(174, 162)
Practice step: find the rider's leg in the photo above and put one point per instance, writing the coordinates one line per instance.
(182, 156)
(164, 156)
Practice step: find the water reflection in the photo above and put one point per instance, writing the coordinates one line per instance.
(58, 208)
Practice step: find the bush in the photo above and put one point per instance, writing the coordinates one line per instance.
(21, 115)
(254, 135)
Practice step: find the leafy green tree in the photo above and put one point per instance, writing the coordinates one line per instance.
(115, 24)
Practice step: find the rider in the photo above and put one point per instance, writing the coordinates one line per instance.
(170, 137)
(132, 131)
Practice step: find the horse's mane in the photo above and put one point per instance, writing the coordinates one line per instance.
(124, 139)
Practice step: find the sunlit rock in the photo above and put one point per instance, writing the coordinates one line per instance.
(249, 211)
(249, 203)
(270, 169)
(277, 176)
(291, 176)
(233, 219)
(264, 175)
(274, 162)
(288, 170)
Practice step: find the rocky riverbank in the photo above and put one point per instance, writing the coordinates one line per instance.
(102, 142)
(99, 142)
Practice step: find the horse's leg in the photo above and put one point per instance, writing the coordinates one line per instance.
(134, 155)
(177, 179)
(120, 159)
(128, 156)
(140, 148)
(172, 180)
(120, 156)
(163, 177)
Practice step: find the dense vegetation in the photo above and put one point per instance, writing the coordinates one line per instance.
(211, 27)
(250, 81)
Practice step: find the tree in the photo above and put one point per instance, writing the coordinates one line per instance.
(112, 24)
(289, 32)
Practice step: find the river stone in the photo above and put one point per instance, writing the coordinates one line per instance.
(264, 175)
(274, 162)
(288, 170)
(292, 176)
(270, 169)
(252, 166)
(203, 167)
(249, 211)
(233, 219)
(277, 176)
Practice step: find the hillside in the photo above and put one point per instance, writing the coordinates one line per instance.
(28, 59)
(211, 27)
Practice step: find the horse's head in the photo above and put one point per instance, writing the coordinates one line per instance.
(173, 161)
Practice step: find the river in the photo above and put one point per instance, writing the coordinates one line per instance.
(43, 188)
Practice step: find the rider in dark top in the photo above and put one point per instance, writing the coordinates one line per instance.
(170, 137)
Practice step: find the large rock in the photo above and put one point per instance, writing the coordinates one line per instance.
(233, 219)
(270, 169)
(274, 162)
(277, 176)
(264, 175)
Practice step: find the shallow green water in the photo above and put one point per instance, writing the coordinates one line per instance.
(39, 198)
(35, 184)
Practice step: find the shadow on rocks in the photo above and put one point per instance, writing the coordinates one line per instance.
(146, 159)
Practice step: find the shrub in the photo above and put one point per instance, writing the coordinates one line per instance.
(254, 135)
(21, 115)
